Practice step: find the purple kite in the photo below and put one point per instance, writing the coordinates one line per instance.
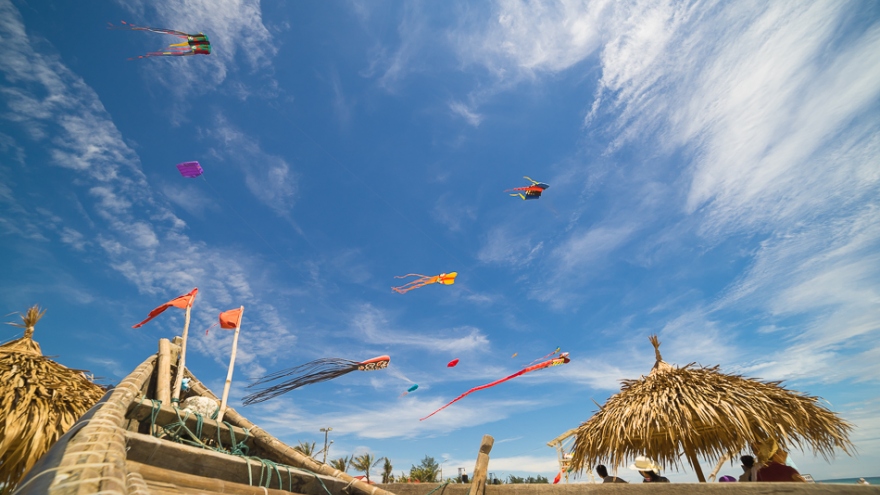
(190, 170)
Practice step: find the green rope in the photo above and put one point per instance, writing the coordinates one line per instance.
(443, 485)
(178, 432)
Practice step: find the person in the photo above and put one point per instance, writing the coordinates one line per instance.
(773, 466)
(750, 471)
(649, 470)
(863, 481)
(602, 471)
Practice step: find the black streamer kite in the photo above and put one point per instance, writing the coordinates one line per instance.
(319, 370)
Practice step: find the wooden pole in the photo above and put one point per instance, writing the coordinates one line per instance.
(231, 365)
(695, 463)
(481, 468)
(721, 462)
(163, 373)
(181, 364)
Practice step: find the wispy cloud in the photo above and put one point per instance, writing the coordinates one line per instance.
(396, 419)
(375, 328)
(140, 237)
(519, 38)
(464, 111)
(452, 213)
(509, 245)
(267, 176)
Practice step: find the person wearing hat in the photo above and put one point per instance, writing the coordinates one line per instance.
(649, 470)
(773, 467)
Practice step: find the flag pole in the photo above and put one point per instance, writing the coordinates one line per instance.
(181, 364)
(231, 365)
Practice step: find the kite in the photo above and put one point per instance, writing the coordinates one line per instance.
(190, 170)
(181, 302)
(411, 389)
(195, 44)
(452, 363)
(423, 280)
(514, 354)
(319, 370)
(561, 359)
(530, 192)
(545, 357)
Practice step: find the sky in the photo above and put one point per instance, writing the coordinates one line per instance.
(714, 171)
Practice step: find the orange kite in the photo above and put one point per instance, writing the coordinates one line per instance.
(423, 280)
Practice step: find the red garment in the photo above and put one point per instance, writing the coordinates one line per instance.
(775, 471)
(181, 302)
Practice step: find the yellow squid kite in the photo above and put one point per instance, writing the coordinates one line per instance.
(423, 280)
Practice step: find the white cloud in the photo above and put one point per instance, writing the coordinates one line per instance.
(509, 245)
(451, 213)
(390, 419)
(376, 329)
(464, 111)
(235, 28)
(141, 238)
(267, 176)
(521, 37)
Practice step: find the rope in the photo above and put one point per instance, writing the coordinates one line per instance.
(443, 485)
(179, 432)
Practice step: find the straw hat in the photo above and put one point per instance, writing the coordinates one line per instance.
(643, 463)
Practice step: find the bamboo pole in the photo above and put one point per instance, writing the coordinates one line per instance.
(481, 468)
(231, 365)
(181, 365)
(721, 462)
(163, 373)
(688, 451)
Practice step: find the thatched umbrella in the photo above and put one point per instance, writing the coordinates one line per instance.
(695, 410)
(39, 401)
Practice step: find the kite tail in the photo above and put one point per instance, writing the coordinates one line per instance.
(545, 364)
(411, 275)
(315, 371)
(128, 25)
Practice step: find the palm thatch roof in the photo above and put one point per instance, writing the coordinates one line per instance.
(695, 410)
(39, 401)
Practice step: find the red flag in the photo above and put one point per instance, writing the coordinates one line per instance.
(230, 319)
(558, 478)
(181, 302)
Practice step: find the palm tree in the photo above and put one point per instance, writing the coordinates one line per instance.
(387, 468)
(364, 463)
(306, 448)
(341, 464)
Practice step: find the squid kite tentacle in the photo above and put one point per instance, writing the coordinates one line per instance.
(423, 280)
(315, 371)
(562, 359)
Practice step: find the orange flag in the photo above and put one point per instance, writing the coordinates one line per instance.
(230, 319)
(181, 302)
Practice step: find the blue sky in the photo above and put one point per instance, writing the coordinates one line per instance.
(714, 180)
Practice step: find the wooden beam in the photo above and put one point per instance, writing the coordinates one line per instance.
(481, 468)
(163, 373)
(142, 411)
(191, 463)
(168, 481)
(286, 454)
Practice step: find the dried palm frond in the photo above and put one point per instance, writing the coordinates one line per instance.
(39, 401)
(695, 410)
